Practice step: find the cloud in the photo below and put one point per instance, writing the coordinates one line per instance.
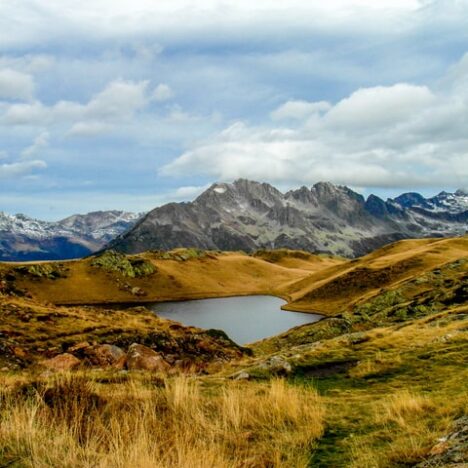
(28, 63)
(188, 192)
(162, 92)
(89, 129)
(16, 85)
(40, 142)
(347, 90)
(116, 103)
(33, 21)
(16, 169)
(299, 110)
(120, 99)
(379, 106)
(25, 114)
(401, 135)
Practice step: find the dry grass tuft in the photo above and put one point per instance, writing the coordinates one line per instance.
(402, 407)
(72, 422)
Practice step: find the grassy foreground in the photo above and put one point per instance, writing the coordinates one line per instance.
(141, 422)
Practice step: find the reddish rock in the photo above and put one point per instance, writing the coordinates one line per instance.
(105, 355)
(60, 363)
(19, 352)
(141, 357)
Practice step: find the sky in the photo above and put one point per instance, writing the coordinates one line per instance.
(119, 104)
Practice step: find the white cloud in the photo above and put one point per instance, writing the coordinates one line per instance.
(40, 142)
(16, 85)
(188, 192)
(89, 129)
(28, 63)
(402, 135)
(16, 169)
(33, 21)
(26, 114)
(162, 92)
(116, 103)
(379, 106)
(118, 100)
(299, 110)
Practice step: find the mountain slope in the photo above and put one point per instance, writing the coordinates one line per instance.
(247, 215)
(342, 286)
(23, 238)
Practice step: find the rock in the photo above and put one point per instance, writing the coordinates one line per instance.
(141, 357)
(105, 355)
(78, 347)
(452, 449)
(276, 365)
(60, 363)
(19, 352)
(242, 376)
(136, 291)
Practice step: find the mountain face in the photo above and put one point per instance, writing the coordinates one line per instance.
(248, 215)
(23, 238)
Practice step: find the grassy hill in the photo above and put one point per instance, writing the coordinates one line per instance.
(344, 285)
(157, 276)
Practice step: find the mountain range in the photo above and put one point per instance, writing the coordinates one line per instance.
(23, 238)
(244, 215)
(247, 215)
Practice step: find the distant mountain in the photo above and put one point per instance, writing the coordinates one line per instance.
(247, 215)
(24, 238)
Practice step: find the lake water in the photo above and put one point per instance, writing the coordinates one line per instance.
(244, 318)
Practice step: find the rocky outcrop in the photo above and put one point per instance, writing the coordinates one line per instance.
(451, 450)
(247, 215)
(274, 366)
(61, 363)
(112, 261)
(140, 357)
(105, 355)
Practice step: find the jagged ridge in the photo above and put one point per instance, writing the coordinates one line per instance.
(24, 238)
(248, 215)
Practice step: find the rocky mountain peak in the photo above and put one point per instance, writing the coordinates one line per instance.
(376, 206)
(246, 215)
(25, 238)
(410, 199)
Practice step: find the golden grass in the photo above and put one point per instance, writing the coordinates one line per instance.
(375, 365)
(402, 407)
(340, 286)
(73, 422)
(215, 275)
(406, 425)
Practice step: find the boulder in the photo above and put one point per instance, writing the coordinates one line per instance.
(105, 355)
(141, 357)
(276, 365)
(60, 363)
(241, 376)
